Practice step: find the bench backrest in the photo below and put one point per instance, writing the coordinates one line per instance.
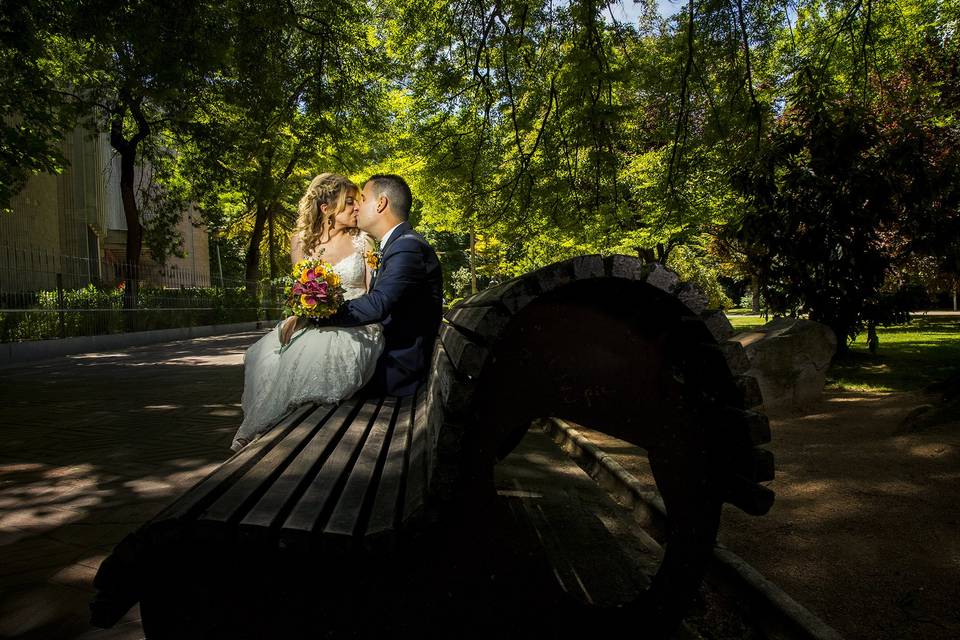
(613, 343)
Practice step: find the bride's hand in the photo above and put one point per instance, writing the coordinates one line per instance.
(290, 325)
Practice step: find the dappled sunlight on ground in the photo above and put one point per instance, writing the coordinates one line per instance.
(851, 396)
(880, 510)
(930, 450)
(867, 517)
(84, 463)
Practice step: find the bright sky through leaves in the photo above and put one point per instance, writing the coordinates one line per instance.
(628, 11)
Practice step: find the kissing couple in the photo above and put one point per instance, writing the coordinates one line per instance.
(381, 338)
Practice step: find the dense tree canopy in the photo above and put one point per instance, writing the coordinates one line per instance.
(808, 146)
(32, 111)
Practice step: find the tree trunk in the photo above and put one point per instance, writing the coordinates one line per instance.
(873, 341)
(271, 247)
(843, 345)
(131, 214)
(253, 250)
(127, 150)
(473, 262)
(755, 304)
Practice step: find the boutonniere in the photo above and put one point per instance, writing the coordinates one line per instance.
(373, 259)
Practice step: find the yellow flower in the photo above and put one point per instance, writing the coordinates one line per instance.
(307, 303)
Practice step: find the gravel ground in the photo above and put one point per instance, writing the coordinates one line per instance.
(865, 531)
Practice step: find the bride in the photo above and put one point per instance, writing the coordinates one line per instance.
(298, 362)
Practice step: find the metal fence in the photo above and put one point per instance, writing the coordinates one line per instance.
(43, 296)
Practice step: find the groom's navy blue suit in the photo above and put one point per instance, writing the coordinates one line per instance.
(406, 296)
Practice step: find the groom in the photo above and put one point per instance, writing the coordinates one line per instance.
(406, 292)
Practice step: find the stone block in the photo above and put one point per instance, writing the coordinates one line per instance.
(789, 359)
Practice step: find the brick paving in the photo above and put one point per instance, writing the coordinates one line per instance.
(92, 446)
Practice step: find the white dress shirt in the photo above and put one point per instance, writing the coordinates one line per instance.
(386, 236)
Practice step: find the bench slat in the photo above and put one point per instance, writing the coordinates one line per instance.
(321, 495)
(266, 512)
(230, 505)
(417, 467)
(346, 515)
(383, 517)
(218, 480)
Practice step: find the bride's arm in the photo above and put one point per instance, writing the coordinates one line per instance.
(293, 323)
(290, 326)
(296, 248)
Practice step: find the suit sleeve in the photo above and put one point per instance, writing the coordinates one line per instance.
(404, 269)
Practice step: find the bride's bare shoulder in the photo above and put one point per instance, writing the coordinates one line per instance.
(363, 241)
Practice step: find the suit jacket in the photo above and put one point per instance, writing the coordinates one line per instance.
(406, 296)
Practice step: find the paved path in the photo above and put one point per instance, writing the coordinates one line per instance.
(93, 445)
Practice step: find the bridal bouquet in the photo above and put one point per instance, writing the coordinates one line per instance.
(313, 290)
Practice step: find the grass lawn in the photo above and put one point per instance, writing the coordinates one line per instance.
(910, 356)
(745, 323)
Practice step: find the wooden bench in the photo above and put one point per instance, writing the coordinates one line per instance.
(322, 481)
(368, 517)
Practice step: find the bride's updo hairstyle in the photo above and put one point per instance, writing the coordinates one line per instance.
(331, 189)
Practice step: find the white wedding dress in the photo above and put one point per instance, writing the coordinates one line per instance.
(319, 364)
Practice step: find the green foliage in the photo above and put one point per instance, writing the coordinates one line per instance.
(525, 135)
(94, 310)
(857, 178)
(299, 90)
(814, 146)
(453, 251)
(32, 112)
(702, 270)
(164, 200)
(821, 203)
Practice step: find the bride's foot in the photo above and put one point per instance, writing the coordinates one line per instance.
(241, 442)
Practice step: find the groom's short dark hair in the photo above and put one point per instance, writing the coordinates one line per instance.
(397, 191)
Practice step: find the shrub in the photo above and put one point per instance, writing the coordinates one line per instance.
(94, 310)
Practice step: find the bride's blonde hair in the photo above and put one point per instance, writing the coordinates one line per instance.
(331, 189)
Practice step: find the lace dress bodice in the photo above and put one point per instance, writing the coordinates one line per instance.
(353, 269)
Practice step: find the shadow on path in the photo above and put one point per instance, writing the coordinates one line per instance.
(94, 445)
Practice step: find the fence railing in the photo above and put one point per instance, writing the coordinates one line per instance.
(44, 296)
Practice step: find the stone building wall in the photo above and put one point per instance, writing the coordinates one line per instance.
(73, 224)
